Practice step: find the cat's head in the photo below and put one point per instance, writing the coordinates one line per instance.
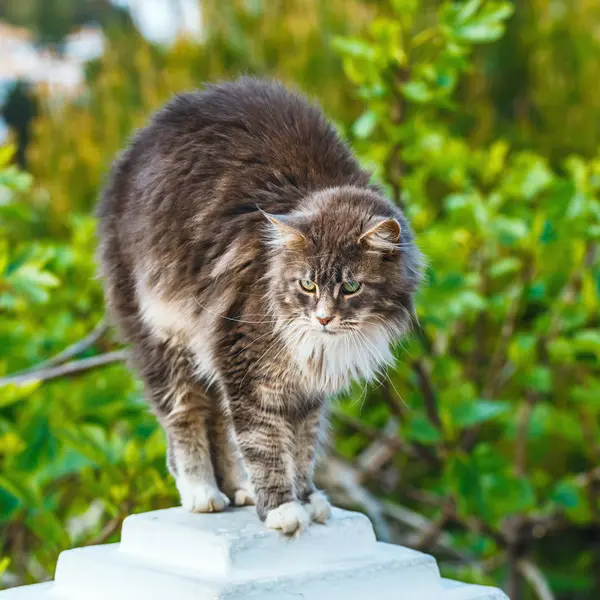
(344, 264)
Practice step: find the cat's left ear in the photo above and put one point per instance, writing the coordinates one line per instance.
(381, 234)
(285, 230)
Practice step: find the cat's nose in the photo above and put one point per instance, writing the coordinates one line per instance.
(324, 320)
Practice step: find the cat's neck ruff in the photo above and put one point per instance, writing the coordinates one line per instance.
(329, 363)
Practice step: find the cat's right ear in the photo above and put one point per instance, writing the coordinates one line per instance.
(284, 230)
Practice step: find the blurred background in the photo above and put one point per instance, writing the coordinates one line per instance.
(480, 117)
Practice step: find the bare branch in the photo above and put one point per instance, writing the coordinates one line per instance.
(523, 419)
(342, 482)
(111, 527)
(421, 525)
(536, 579)
(367, 430)
(430, 536)
(514, 581)
(374, 457)
(393, 442)
(75, 349)
(428, 393)
(71, 368)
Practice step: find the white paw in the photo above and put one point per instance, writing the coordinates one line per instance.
(288, 518)
(243, 497)
(201, 496)
(318, 506)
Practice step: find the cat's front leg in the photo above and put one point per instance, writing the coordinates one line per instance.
(307, 429)
(266, 440)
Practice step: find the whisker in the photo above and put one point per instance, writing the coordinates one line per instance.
(212, 312)
(386, 369)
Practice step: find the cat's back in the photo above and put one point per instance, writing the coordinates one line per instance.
(213, 156)
(249, 126)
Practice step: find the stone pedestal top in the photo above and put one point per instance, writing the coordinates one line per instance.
(174, 555)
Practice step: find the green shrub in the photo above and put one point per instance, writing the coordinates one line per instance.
(68, 443)
(498, 394)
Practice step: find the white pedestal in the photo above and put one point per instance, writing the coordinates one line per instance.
(174, 555)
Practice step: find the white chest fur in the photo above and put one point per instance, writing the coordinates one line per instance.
(329, 363)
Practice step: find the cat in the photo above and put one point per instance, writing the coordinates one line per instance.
(255, 271)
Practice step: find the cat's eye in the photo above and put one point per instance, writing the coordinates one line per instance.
(350, 287)
(308, 286)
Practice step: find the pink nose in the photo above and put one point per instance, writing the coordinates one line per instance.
(324, 320)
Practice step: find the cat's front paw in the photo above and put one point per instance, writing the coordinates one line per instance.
(318, 507)
(289, 518)
(201, 497)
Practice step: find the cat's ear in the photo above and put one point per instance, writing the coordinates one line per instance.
(381, 234)
(285, 230)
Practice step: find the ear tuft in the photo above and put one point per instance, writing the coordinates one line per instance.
(382, 234)
(284, 231)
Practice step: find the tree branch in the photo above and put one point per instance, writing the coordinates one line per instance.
(523, 419)
(428, 394)
(536, 579)
(393, 442)
(75, 349)
(71, 368)
(342, 481)
(106, 532)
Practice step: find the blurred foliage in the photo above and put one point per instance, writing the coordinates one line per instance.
(537, 84)
(489, 426)
(52, 20)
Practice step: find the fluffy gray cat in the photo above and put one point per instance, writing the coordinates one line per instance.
(255, 272)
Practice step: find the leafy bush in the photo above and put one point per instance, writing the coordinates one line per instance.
(65, 444)
(498, 395)
(480, 446)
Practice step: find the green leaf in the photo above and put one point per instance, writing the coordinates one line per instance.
(540, 379)
(480, 33)
(365, 125)
(9, 504)
(417, 91)
(588, 341)
(468, 9)
(480, 411)
(463, 476)
(421, 430)
(496, 12)
(505, 266)
(6, 154)
(13, 393)
(567, 494)
(507, 494)
(354, 47)
(41, 446)
(20, 487)
(510, 230)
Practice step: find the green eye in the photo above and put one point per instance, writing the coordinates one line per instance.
(350, 287)
(307, 285)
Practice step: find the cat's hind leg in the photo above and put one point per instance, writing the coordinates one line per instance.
(227, 460)
(191, 465)
(184, 408)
